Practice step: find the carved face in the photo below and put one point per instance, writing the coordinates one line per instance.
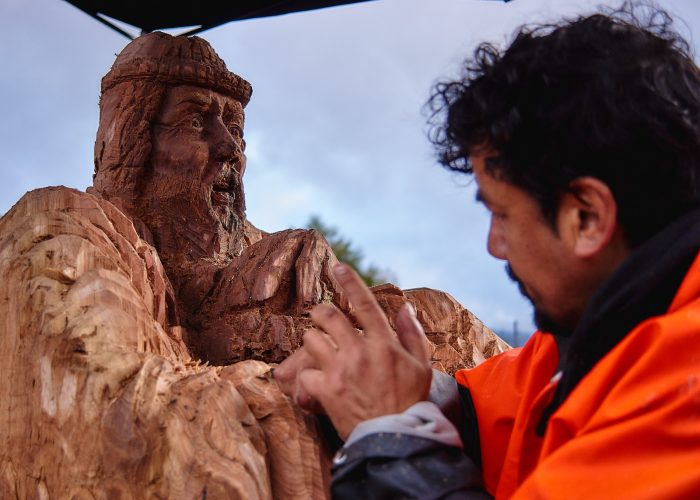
(197, 153)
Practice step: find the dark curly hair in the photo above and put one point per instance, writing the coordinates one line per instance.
(615, 95)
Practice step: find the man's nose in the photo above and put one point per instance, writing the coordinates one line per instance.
(223, 145)
(496, 243)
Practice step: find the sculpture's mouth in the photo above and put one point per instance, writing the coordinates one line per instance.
(226, 187)
(226, 195)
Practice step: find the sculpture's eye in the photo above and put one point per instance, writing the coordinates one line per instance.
(236, 131)
(197, 123)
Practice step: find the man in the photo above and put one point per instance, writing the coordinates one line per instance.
(584, 140)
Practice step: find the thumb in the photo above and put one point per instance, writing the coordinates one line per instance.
(288, 370)
(311, 385)
(411, 334)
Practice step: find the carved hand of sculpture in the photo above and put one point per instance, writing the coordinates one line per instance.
(261, 299)
(288, 271)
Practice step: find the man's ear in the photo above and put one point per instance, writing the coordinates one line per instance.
(588, 216)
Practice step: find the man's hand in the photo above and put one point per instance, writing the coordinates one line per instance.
(356, 378)
(287, 377)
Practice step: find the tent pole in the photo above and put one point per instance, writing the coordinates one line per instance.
(113, 26)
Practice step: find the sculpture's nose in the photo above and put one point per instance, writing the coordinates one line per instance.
(223, 145)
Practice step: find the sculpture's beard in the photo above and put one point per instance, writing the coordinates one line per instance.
(189, 216)
(226, 196)
(543, 321)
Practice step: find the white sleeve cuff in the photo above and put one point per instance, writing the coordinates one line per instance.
(424, 419)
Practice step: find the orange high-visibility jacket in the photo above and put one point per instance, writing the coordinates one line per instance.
(630, 428)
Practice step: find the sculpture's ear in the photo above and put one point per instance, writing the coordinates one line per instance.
(107, 140)
(588, 217)
(127, 113)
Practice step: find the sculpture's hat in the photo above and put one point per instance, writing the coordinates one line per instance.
(175, 60)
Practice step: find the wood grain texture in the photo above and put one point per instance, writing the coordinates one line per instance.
(101, 398)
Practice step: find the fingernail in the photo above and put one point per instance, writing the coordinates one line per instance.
(340, 270)
(410, 308)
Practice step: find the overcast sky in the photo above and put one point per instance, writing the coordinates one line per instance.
(334, 127)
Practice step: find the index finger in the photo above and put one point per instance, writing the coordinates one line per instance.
(367, 310)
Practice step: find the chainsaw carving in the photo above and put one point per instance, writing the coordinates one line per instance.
(138, 318)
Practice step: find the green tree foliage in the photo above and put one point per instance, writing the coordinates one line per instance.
(346, 253)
